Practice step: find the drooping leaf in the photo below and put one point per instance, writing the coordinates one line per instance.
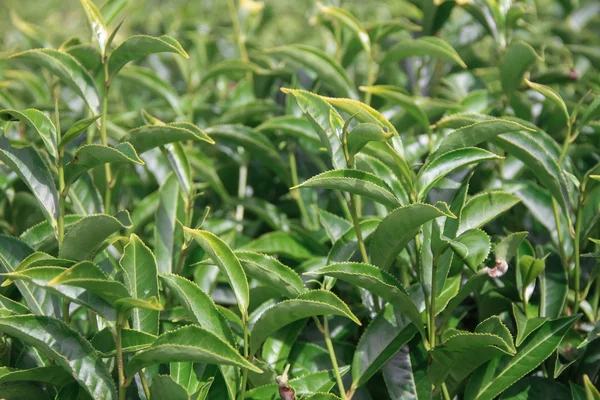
(363, 134)
(141, 278)
(148, 137)
(68, 70)
(271, 272)
(517, 59)
(397, 229)
(497, 376)
(92, 155)
(228, 263)
(322, 65)
(350, 21)
(78, 358)
(190, 343)
(37, 120)
(355, 182)
(483, 208)
(423, 46)
(139, 46)
(31, 168)
(308, 304)
(87, 234)
(478, 245)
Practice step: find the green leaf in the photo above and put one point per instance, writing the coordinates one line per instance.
(87, 234)
(508, 246)
(441, 166)
(464, 352)
(148, 137)
(68, 70)
(38, 121)
(328, 70)
(256, 143)
(350, 21)
(232, 67)
(227, 262)
(525, 326)
(397, 229)
(483, 208)
(491, 380)
(554, 289)
(164, 387)
(41, 236)
(278, 244)
(309, 384)
(478, 245)
(362, 134)
(150, 80)
(530, 268)
(139, 46)
(78, 358)
(271, 272)
(93, 155)
(13, 306)
(356, 182)
(343, 248)
(190, 343)
(55, 376)
(131, 341)
(290, 125)
(551, 95)
(326, 121)
(405, 374)
(334, 225)
(423, 46)
(31, 168)
(97, 23)
(516, 61)
(308, 304)
(378, 282)
(472, 132)
(76, 129)
(168, 233)
(141, 279)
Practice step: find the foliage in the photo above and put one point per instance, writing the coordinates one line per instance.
(400, 203)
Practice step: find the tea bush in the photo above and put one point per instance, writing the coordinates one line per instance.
(297, 200)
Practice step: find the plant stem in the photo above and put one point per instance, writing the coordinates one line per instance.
(296, 193)
(239, 38)
(104, 140)
(142, 375)
(61, 180)
(525, 302)
(242, 184)
(356, 222)
(559, 234)
(445, 392)
(119, 344)
(246, 355)
(432, 310)
(370, 78)
(565, 146)
(576, 250)
(66, 316)
(336, 369)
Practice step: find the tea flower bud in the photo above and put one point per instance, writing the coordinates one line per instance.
(499, 269)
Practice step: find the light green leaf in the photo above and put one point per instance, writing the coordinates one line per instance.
(75, 130)
(423, 46)
(525, 326)
(141, 278)
(270, 271)
(55, 376)
(397, 229)
(351, 22)
(508, 246)
(93, 155)
(38, 121)
(362, 134)
(483, 208)
(31, 168)
(131, 341)
(139, 46)
(97, 23)
(232, 67)
(334, 225)
(227, 262)
(308, 304)
(190, 343)
(151, 81)
(356, 182)
(530, 268)
(478, 245)
(87, 234)
(551, 95)
(78, 358)
(278, 244)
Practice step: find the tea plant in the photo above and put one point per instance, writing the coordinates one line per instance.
(403, 206)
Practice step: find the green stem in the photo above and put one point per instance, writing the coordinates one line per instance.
(370, 78)
(525, 302)
(445, 392)
(61, 181)
(145, 386)
(595, 300)
(576, 250)
(565, 146)
(242, 184)
(356, 222)
(104, 140)
(296, 193)
(559, 234)
(336, 368)
(66, 316)
(121, 371)
(246, 355)
(239, 38)
(432, 308)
